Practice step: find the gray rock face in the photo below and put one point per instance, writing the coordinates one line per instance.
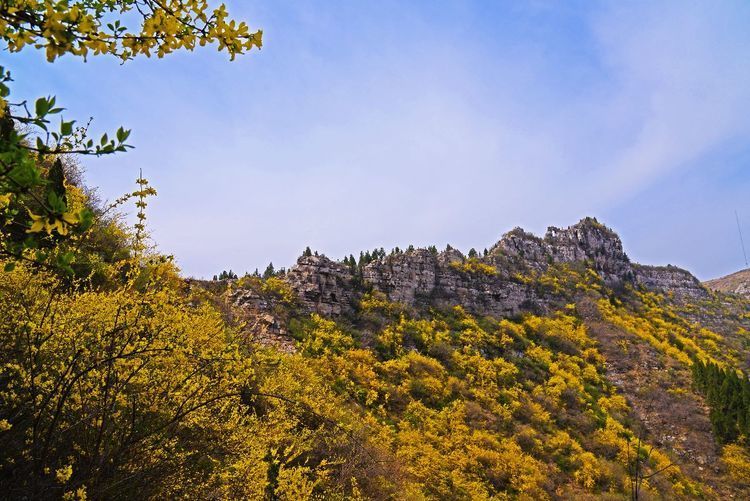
(322, 286)
(743, 289)
(261, 325)
(405, 278)
(423, 278)
(669, 279)
(586, 241)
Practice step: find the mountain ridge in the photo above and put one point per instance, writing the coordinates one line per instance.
(496, 284)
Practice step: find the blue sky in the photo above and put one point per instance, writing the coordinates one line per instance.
(364, 124)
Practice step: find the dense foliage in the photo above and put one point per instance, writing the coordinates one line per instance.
(438, 405)
(120, 379)
(727, 392)
(99, 27)
(480, 408)
(108, 391)
(40, 219)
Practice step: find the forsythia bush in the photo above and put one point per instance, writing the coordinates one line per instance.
(737, 460)
(143, 392)
(473, 265)
(477, 408)
(114, 389)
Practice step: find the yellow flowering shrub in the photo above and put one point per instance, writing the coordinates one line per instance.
(324, 337)
(279, 288)
(93, 378)
(88, 29)
(737, 460)
(474, 266)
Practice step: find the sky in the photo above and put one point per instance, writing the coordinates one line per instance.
(368, 124)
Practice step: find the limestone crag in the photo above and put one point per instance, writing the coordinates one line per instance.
(406, 277)
(588, 241)
(251, 299)
(323, 286)
(260, 322)
(420, 277)
(669, 278)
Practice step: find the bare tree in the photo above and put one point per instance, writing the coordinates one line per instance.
(636, 464)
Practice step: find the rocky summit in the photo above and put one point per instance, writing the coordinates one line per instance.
(497, 284)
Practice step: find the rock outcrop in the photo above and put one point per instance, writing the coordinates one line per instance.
(487, 285)
(421, 277)
(588, 241)
(670, 279)
(323, 286)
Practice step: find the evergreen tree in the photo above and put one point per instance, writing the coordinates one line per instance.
(472, 252)
(308, 252)
(351, 262)
(269, 271)
(727, 394)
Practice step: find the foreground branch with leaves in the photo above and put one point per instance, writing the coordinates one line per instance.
(38, 216)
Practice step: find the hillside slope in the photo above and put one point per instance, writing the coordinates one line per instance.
(735, 283)
(532, 369)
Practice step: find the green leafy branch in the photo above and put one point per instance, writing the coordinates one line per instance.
(36, 212)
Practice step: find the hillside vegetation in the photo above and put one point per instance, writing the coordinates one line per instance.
(735, 283)
(541, 368)
(126, 380)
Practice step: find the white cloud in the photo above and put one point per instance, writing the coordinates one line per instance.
(366, 126)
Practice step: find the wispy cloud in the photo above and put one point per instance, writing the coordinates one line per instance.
(683, 70)
(389, 124)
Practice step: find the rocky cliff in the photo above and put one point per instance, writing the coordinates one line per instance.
(494, 284)
(588, 241)
(669, 278)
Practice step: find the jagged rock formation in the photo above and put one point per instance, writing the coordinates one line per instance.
(323, 286)
(257, 313)
(586, 241)
(421, 277)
